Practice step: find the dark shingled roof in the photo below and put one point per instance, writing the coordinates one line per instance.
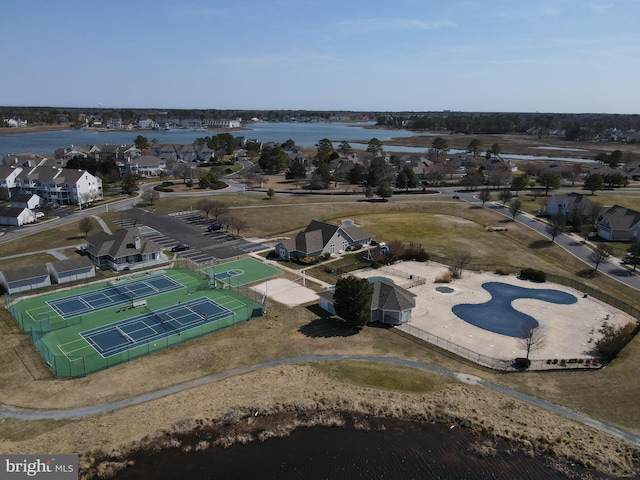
(24, 273)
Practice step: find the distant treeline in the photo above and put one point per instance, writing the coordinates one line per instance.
(572, 126)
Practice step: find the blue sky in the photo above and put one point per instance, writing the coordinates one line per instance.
(401, 55)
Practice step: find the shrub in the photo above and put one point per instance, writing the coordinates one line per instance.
(160, 188)
(523, 363)
(307, 260)
(503, 270)
(613, 339)
(444, 277)
(533, 275)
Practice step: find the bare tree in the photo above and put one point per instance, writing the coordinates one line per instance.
(218, 208)
(532, 339)
(459, 264)
(150, 196)
(238, 224)
(484, 196)
(86, 224)
(504, 196)
(515, 207)
(600, 254)
(555, 226)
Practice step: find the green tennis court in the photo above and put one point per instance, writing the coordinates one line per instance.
(240, 272)
(74, 346)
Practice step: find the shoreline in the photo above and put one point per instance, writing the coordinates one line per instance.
(256, 398)
(248, 427)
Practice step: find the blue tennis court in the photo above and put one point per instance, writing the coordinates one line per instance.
(143, 329)
(115, 294)
(498, 315)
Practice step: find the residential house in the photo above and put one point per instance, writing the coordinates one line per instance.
(71, 270)
(126, 249)
(144, 166)
(390, 304)
(64, 186)
(568, 204)
(321, 238)
(26, 200)
(16, 216)
(24, 279)
(619, 224)
(8, 177)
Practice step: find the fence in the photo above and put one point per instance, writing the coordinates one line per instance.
(501, 364)
(70, 365)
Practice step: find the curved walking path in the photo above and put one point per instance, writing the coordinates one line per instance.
(80, 412)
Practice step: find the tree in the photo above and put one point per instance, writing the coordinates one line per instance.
(384, 191)
(472, 180)
(555, 225)
(218, 208)
(505, 196)
(324, 152)
(594, 182)
(238, 224)
(86, 224)
(150, 196)
(345, 149)
(296, 171)
(484, 195)
(352, 300)
(401, 180)
(270, 193)
(496, 149)
(439, 146)
(532, 339)
(613, 339)
(634, 252)
(474, 147)
(368, 192)
(374, 146)
(520, 182)
(459, 264)
(129, 183)
(549, 180)
(142, 143)
(515, 207)
(600, 254)
(273, 159)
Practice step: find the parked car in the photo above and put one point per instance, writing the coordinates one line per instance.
(39, 215)
(214, 227)
(180, 247)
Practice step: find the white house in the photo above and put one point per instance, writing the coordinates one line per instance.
(144, 165)
(64, 186)
(16, 216)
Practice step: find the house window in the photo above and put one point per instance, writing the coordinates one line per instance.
(332, 248)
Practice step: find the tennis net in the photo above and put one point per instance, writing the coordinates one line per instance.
(160, 320)
(125, 335)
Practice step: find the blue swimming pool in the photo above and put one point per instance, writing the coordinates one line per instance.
(498, 315)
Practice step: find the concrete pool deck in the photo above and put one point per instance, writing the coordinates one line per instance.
(570, 330)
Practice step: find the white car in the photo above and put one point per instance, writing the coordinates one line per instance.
(39, 215)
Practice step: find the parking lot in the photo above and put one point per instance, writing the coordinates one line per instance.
(169, 230)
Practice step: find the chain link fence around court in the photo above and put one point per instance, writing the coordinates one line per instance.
(90, 361)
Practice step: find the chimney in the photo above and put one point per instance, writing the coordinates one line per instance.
(136, 243)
